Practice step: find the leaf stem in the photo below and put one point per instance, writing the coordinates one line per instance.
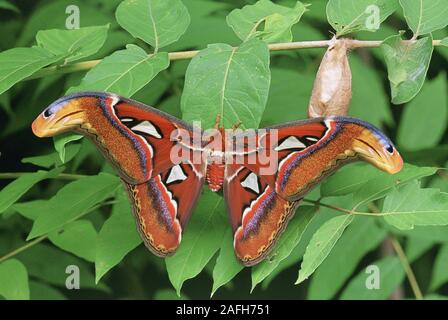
(183, 55)
(344, 210)
(22, 248)
(62, 176)
(407, 268)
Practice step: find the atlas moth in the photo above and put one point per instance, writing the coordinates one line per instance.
(138, 141)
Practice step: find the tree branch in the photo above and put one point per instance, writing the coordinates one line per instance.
(183, 55)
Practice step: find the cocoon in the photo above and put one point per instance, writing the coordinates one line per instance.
(332, 90)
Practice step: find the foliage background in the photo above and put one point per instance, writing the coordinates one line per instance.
(104, 237)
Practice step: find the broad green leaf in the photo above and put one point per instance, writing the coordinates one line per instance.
(14, 190)
(391, 274)
(168, 294)
(411, 205)
(72, 201)
(444, 42)
(415, 247)
(289, 89)
(347, 16)
(14, 280)
(227, 266)
(324, 214)
(5, 5)
(124, 72)
(383, 183)
(53, 159)
(360, 237)
(41, 291)
(439, 272)
(321, 244)
(265, 20)
(75, 44)
(19, 63)
(368, 85)
(157, 22)
(407, 64)
(48, 263)
(52, 15)
(77, 237)
(348, 179)
(117, 237)
(30, 209)
(207, 26)
(428, 107)
(286, 244)
(436, 234)
(425, 16)
(61, 141)
(227, 81)
(201, 240)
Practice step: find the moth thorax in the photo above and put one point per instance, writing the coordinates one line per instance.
(215, 176)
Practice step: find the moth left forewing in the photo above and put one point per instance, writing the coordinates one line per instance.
(160, 133)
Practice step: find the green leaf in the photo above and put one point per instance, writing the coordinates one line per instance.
(30, 209)
(53, 159)
(425, 16)
(41, 291)
(200, 242)
(321, 244)
(368, 85)
(416, 246)
(286, 244)
(72, 201)
(5, 5)
(439, 274)
(285, 95)
(14, 280)
(347, 16)
(13, 191)
(324, 214)
(19, 63)
(367, 182)
(227, 266)
(265, 20)
(410, 205)
(407, 64)
(428, 107)
(61, 141)
(444, 42)
(77, 237)
(391, 275)
(124, 72)
(49, 264)
(360, 237)
(117, 237)
(231, 82)
(383, 183)
(157, 22)
(168, 294)
(348, 180)
(75, 44)
(51, 15)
